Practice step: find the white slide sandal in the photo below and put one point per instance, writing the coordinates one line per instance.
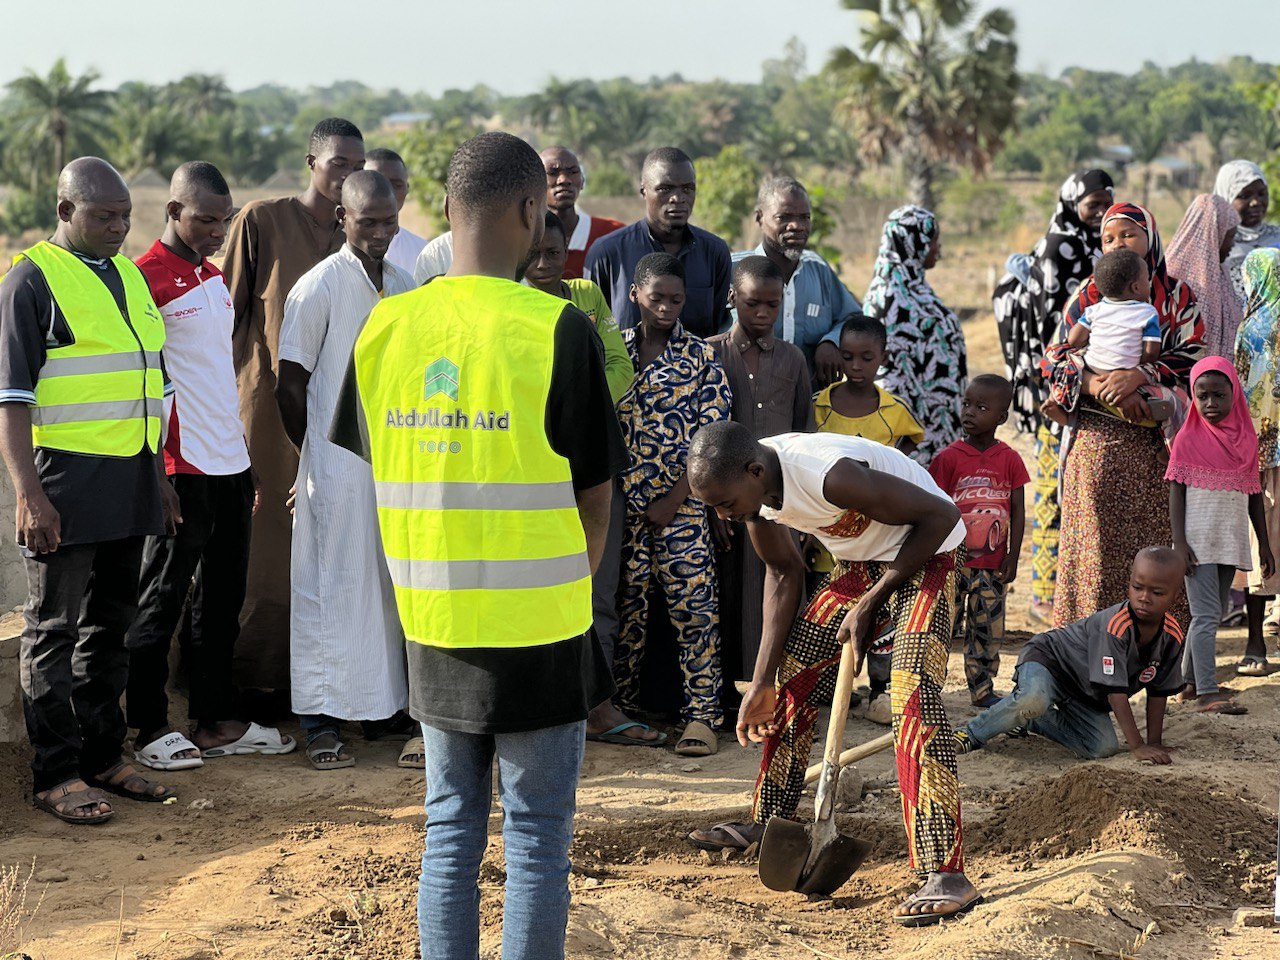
(257, 739)
(161, 753)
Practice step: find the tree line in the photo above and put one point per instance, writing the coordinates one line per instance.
(925, 98)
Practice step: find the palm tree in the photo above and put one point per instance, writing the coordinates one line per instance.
(57, 112)
(201, 95)
(150, 131)
(929, 87)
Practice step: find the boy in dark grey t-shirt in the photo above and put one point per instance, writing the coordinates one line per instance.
(1069, 679)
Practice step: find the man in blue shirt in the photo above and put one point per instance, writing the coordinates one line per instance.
(815, 303)
(669, 185)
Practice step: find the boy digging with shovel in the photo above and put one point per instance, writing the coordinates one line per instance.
(893, 534)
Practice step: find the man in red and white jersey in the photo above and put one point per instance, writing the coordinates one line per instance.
(207, 462)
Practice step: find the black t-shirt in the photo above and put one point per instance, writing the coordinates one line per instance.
(1102, 654)
(511, 689)
(97, 498)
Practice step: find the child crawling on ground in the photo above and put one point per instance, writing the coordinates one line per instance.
(1121, 332)
(1069, 680)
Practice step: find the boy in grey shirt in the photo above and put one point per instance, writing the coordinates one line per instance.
(1068, 680)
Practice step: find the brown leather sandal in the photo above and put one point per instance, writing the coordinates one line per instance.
(62, 802)
(124, 781)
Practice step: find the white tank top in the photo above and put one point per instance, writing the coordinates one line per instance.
(807, 458)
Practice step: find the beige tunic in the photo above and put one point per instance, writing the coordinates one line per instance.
(272, 243)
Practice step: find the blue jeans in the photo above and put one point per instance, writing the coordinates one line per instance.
(1038, 704)
(537, 783)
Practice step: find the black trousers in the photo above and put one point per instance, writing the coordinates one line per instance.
(80, 601)
(217, 515)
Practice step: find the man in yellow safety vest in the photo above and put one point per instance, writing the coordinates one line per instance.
(81, 405)
(483, 408)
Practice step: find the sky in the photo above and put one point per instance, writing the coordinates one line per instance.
(514, 46)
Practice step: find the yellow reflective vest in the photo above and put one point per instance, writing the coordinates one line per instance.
(478, 515)
(102, 394)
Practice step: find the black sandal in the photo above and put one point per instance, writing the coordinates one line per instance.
(132, 786)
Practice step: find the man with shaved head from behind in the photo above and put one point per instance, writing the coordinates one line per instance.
(208, 465)
(81, 400)
(346, 646)
(565, 182)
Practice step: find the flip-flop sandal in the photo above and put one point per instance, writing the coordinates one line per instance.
(1253, 667)
(616, 736)
(414, 755)
(929, 919)
(161, 753)
(73, 800)
(328, 745)
(737, 839)
(141, 793)
(257, 739)
(1226, 707)
(698, 740)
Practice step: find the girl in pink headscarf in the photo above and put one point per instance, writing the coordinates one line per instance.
(1196, 255)
(1214, 496)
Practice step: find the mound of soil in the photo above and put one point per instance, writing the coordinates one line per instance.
(1221, 838)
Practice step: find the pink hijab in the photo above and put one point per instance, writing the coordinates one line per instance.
(1222, 456)
(1193, 257)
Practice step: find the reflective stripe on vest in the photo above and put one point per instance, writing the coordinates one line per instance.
(478, 514)
(103, 393)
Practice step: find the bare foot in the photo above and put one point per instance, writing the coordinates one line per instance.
(219, 734)
(606, 717)
(145, 739)
(1055, 412)
(943, 895)
(64, 800)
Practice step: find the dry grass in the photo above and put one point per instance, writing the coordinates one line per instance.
(14, 915)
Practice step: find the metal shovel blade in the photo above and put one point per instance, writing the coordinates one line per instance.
(793, 857)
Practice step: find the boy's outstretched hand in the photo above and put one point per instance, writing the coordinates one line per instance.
(1148, 753)
(1009, 568)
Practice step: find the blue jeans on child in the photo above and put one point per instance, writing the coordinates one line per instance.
(537, 783)
(1039, 705)
(1208, 593)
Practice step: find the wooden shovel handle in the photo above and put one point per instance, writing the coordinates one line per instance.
(844, 690)
(852, 755)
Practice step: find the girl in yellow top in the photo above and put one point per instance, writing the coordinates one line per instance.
(546, 273)
(856, 406)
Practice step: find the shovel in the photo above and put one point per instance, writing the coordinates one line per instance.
(817, 857)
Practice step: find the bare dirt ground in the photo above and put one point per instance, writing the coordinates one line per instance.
(1077, 860)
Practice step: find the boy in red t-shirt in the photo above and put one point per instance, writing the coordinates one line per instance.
(985, 477)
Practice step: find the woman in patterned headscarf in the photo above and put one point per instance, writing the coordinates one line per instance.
(1028, 304)
(1258, 361)
(925, 358)
(1114, 497)
(1196, 254)
(1242, 184)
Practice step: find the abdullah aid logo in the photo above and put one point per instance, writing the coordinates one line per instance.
(441, 377)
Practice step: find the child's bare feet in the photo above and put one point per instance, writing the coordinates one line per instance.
(1054, 412)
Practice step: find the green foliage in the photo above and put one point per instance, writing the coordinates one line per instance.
(930, 83)
(823, 200)
(727, 186)
(608, 179)
(427, 149)
(29, 210)
(973, 205)
(1263, 122)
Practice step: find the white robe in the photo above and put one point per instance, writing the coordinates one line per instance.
(405, 249)
(346, 646)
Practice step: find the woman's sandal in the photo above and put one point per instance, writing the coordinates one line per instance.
(932, 917)
(124, 781)
(328, 745)
(1253, 667)
(62, 802)
(738, 836)
(698, 740)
